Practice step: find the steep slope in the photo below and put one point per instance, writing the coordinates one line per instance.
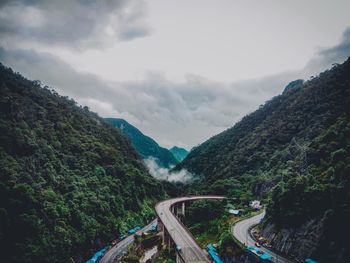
(69, 181)
(297, 144)
(143, 144)
(179, 153)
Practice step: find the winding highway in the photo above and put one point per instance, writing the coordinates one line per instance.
(240, 231)
(122, 246)
(190, 251)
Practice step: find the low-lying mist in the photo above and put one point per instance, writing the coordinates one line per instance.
(162, 173)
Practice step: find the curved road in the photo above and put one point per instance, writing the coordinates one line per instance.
(240, 232)
(122, 246)
(190, 250)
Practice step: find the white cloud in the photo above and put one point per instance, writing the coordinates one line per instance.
(164, 174)
(72, 23)
(181, 113)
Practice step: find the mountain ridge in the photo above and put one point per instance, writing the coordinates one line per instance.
(262, 152)
(70, 183)
(179, 153)
(144, 145)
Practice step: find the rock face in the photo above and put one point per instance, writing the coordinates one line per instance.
(260, 189)
(299, 242)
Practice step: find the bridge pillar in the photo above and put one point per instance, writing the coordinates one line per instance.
(160, 225)
(179, 258)
(180, 211)
(161, 228)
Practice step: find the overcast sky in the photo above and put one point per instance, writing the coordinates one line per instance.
(181, 71)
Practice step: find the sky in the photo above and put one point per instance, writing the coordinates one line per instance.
(180, 71)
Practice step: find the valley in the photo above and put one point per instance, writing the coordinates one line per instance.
(161, 131)
(72, 183)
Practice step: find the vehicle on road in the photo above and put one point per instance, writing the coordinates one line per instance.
(214, 254)
(133, 230)
(153, 228)
(97, 256)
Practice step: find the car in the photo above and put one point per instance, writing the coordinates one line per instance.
(178, 248)
(131, 231)
(257, 244)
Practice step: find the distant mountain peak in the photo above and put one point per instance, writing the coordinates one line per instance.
(293, 85)
(144, 145)
(179, 153)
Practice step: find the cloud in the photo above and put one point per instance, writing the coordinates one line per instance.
(182, 113)
(72, 23)
(163, 173)
(325, 57)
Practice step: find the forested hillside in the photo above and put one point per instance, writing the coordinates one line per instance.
(298, 145)
(144, 145)
(69, 181)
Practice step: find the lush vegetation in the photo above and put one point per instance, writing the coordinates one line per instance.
(143, 144)
(179, 153)
(210, 223)
(323, 193)
(296, 144)
(69, 181)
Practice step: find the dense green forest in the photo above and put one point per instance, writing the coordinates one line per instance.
(144, 145)
(298, 145)
(69, 181)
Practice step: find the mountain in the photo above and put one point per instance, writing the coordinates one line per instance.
(293, 85)
(179, 153)
(143, 144)
(70, 183)
(295, 152)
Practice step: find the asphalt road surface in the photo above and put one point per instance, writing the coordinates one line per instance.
(190, 250)
(240, 231)
(122, 246)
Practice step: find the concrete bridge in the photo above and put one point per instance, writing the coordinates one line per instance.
(175, 233)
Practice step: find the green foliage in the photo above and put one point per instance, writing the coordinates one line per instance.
(70, 183)
(261, 145)
(210, 223)
(323, 193)
(208, 220)
(261, 153)
(144, 145)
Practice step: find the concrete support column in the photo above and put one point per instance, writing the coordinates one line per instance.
(183, 209)
(178, 258)
(160, 225)
(161, 228)
(163, 236)
(169, 243)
